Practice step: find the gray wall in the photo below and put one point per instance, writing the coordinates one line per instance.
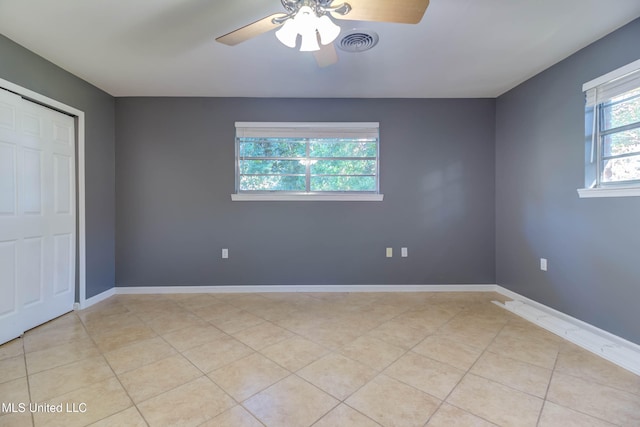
(22, 67)
(593, 245)
(175, 175)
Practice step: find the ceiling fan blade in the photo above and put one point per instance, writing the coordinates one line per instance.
(399, 11)
(326, 56)
(249, 31)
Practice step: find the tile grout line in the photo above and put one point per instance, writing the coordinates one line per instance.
(600, 383)
(407, 351)
(410, 350)
(546, 393)
(62, 365)
(468, 371)
(204, 374)
(26, 371)
(90, 336)
(378, 372)
(566, 407)
(133, 403)
(322, 391)
(330, 351)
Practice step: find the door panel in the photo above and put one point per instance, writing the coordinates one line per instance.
(31, 178)
(62, 172)
(31, 125)
(63, 261)
(7, 115)
(8, 267)
(32, 285)
(63, 133)
(7, 179)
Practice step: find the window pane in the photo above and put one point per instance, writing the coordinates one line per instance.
(272, 147)
(342, 159)
(272, 183)
(623, 169)
(276, 167)
(343, 183)
(622, 110)
(344, 167)
(621, 143)
(343, 148)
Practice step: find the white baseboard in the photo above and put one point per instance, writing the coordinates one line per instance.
(95, 299)
(295, 288)
(602, 343)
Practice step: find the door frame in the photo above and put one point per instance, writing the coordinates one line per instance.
(80, 177)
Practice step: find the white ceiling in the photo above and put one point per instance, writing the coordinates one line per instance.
(462, 48)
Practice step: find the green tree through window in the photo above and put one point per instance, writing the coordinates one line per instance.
(620, 138)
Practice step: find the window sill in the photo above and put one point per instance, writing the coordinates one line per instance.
(307, 197)
(609, 192)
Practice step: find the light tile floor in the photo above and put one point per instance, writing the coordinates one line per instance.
(359, 359)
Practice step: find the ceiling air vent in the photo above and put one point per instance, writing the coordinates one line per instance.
(358, 41)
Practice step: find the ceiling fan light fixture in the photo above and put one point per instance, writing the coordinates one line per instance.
(305, 15)
(288, 33)
(327, 29)
(309, 41)
(308, 23)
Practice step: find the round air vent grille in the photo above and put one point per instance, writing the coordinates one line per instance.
(358, 41)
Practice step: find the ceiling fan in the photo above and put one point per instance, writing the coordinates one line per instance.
(311, 20)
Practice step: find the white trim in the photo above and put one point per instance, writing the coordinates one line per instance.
(244, 197)
(602, 343)
(29, 94)
(307, 124)
(134, 290)
(584, 193)
(97, 298)
(617, 73)
(82, 219)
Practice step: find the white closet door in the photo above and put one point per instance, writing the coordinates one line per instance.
(37, 215)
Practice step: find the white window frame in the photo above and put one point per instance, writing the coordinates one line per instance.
(598, 91)
(308, 130)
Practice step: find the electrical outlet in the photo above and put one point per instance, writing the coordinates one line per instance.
(543, 264)
(389, 252)
(404, 252)
(225, 253)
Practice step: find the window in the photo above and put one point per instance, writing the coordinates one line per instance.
(613, 133)
(307, 161)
